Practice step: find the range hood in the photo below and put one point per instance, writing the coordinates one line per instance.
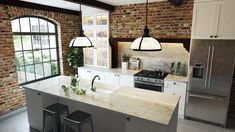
(176, 2)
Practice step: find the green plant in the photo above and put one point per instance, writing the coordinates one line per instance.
(125, 58)
(75, 58)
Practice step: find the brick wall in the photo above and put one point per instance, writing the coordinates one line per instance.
(165, 20)
(11, 95)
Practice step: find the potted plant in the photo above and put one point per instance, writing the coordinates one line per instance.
(75, 59)
(125, 59)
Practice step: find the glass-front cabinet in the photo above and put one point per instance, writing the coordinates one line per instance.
(96, 27)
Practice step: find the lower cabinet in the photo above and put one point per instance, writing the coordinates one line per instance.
(107, 77)
(35, 102)
(177, 88)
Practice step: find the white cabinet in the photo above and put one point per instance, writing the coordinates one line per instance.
(126, 80)
(34, 108)
(213, 19)
(109, 77)
(177, 88)
(112, 78)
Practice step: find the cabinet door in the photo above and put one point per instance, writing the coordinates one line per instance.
(126, 80)
(34, 108)
(112, 78)
(204, 20)
(177, 88)
(85, 74)
(226, 26)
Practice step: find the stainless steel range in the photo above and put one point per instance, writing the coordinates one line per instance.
(150, 80)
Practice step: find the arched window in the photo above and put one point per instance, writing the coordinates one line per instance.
(36, 48)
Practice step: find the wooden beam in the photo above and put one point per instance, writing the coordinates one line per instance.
(38, 6)
(94, 3)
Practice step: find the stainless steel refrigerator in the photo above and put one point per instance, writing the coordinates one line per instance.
(211, 67)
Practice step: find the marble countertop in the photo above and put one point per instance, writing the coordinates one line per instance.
(150, 105)
(113, 70)
(176, 78)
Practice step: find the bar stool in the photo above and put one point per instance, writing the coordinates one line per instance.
(54, 111)
(76, 120)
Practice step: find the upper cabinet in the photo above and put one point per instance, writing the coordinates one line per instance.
(213, 19)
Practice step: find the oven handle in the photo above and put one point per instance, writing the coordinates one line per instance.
(140, 82)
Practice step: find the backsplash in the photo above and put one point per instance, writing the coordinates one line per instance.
(171, 53)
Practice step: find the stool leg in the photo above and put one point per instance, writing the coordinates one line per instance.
(54, 123)
(65, 126)
(44, 116)
(58, 122)
(91, 123)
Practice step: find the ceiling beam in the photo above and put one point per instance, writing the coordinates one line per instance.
(38, 6)
(94, 3)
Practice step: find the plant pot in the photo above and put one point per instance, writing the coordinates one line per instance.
(124, 65)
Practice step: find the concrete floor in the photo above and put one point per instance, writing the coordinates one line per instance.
(19, 123)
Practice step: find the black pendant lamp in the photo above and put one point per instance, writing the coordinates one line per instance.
(146, 42)
(81, 40)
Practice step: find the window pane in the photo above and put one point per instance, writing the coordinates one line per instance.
(34, 24)
(15, 25)
(101, 32)
(102, 43)
(17, 42)
(44, 41)
(46, 55)
(88, 33)
(102, 57)
(30, 73)
(36, 42)
(53, 54)
(26, 39)
(19, 59)
(24, 23)
(47, 69)
(37, 56)
(87, 20)
(21, 74)
(89, 56)
(52, 41)
(54, 68)
(101, 20)
(51, 27)
(39, 71)
(43, 25)
(28, 57)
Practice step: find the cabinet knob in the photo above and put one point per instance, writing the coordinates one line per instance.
(216, 36)
(174, 83)
(211, 36)
(128, 119)
(39, 94)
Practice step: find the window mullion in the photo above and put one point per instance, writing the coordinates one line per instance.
(32, 48)
(41, 49)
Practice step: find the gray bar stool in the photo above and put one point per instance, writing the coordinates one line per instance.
(54, 111)
(75, 121)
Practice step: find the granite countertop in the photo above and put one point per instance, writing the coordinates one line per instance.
(113, 70)
(154, 106)
(176, 78)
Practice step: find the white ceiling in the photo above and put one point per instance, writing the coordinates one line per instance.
(86, 9)
(126, 2)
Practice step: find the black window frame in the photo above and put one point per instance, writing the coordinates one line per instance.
(31, 34)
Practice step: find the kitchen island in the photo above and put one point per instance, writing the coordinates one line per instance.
(113, 108)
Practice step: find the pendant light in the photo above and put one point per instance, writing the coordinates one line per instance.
(146, 42)
(81, 40)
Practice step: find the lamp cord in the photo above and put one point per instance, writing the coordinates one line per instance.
(81, 15)
(146, 21)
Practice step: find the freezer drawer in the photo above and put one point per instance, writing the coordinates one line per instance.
(206, 107)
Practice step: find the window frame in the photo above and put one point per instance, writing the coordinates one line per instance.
(38, 33)
(95, 50)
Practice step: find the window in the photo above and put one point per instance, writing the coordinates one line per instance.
(36, 48)
(97, 29)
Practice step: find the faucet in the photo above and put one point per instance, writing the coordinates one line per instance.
(92, 83)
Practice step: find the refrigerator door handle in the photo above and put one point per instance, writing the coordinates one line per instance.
(206, 97)
(211, 66)
(207, 66)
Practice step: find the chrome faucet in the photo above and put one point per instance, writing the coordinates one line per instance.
(92, 83)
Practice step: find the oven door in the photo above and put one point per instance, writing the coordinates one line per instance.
(149, 86)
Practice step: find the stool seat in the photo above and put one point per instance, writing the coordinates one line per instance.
(77, 116)
(57, 108)
(76, 119)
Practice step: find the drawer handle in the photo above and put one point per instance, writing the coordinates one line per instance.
(128, 119)
(174, 83)
(39, 94)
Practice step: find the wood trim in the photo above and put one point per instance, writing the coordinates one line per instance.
(114, 45)
(38, 6)
(94, 3)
